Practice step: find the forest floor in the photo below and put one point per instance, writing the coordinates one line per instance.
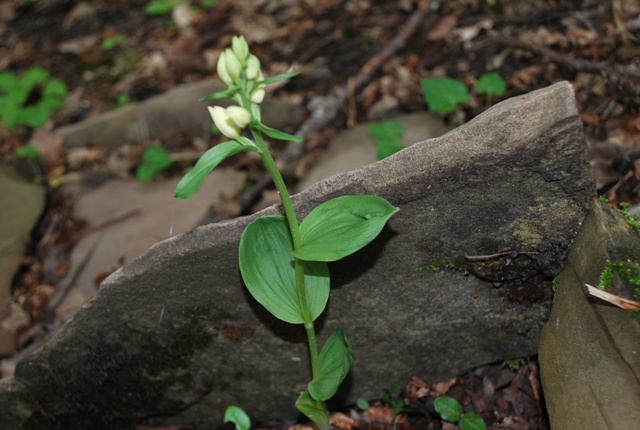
(359, 61)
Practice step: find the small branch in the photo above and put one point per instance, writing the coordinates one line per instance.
(627, 78)
(498, 255)
(629, 305)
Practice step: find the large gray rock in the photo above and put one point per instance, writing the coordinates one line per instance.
(590, 349)
(174, 337)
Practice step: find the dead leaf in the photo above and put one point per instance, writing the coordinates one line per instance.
(443, 28)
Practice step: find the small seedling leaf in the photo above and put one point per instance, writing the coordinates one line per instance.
(33, 76)
(448, 408)
(192, 181)
(387, 134)
(237, 416)
(471, 421)
(313, 409)
(27, 151)
(363, 404)
(334, 363)
(159, 7)
(268, 271)
(491, 83)
(277, 134)
(342, 226)
(444, 94)
(155, 159)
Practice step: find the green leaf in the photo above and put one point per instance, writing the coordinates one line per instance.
(8, 81)
(443, 94)
(155, 159)
(268, 271)
(160, 7)
(228, 93)
(448, 408)
(471, 421)
(313, 409)
(192, 181)
(27, 151)
(491, 83)
(334, 363)
(387, 134)
(362, 404)
(276, 134)
(278, 78)
(342, 226)
(237, 416)
(33, 76)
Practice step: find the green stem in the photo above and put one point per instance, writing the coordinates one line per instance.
(292, 220)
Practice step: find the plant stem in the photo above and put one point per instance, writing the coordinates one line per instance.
(292, 220)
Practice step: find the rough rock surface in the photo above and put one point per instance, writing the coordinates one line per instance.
(174, 338)
(20, 208)
(590, 350)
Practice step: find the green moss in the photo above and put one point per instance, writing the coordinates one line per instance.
(630, 270)
(632, 220)
(435, 266)
(555, 284)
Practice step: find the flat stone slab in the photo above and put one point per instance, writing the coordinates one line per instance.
(590, 350)
(459, 277)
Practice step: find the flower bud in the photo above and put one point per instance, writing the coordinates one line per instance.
(239, 115)
(257, 96)
(224, 122)
(222, 70)
(253, 67)
(240, 47)
(232, 64)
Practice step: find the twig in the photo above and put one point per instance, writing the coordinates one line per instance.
(498, 255)
(627, 78)
(629, 305)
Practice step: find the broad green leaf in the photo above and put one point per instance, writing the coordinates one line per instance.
(278, 78)
(160, 7)
(387, 134)
(268, 270)
(313, 409)
(228, 93)
(472, 421)
(238, 417)
(342, 226)
(191, 182)
(34, 116)
(448, 408)
(276, 134)
(491, 83)
(334, 363)
(443, 94)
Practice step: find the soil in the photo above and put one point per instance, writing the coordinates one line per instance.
(367, 55)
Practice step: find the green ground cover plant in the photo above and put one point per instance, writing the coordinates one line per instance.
(30, 99)
(387, 134)
(445, 94)
(451, 410)
(155, 159)
(283, 261)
